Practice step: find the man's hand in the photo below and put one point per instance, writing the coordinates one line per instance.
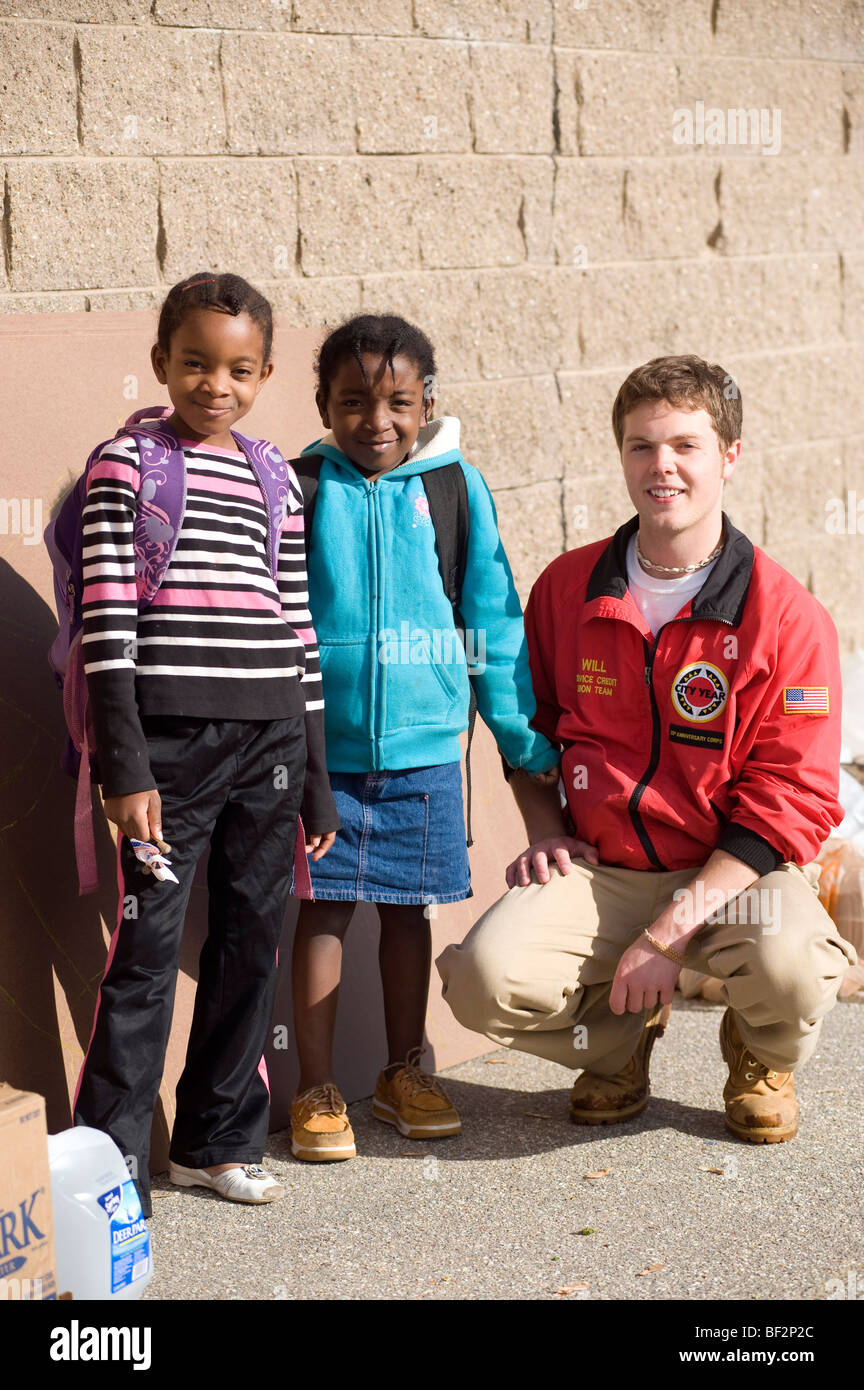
(318, 845)
(138, 816)
(643, 978)
(562, 849)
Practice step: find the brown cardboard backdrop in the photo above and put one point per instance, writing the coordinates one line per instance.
(68, 381)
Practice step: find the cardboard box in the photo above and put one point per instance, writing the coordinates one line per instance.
(27, 1267)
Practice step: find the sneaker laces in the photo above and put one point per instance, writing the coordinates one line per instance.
(416, 1080)
(321, 1100)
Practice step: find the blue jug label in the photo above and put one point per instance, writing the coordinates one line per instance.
(130, 1238)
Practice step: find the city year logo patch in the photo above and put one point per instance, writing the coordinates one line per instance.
(700, 692)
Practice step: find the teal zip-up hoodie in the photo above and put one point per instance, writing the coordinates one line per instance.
(394, 669)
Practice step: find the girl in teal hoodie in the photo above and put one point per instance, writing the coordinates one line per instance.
(396, 692)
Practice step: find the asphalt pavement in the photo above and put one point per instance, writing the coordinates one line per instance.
(526, 1205)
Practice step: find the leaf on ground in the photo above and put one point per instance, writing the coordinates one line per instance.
(652, 1269)
(600, 1173)
(714, 1170)
(573, 1288)
(536, 1115)
(411, 1153)
(157, 1195)
(588, 1231)
(499, 1062)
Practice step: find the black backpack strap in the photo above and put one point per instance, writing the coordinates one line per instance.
(447, 494)
(308, 470)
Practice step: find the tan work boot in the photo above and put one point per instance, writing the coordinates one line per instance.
(760, 1103)
(607, 1100)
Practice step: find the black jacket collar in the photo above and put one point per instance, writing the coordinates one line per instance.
(721, 597)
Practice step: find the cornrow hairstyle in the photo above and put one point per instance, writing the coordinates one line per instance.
(687, 382)
(385, 335)
(228, 294)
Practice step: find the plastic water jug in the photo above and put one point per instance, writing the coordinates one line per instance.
(101, 1239)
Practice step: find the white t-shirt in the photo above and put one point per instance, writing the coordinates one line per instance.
(659, 600)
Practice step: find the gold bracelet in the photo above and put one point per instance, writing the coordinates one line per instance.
(668, 951)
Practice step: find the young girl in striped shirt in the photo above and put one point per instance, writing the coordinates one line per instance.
(208, 714)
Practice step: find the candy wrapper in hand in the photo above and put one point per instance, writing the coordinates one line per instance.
(153, 859)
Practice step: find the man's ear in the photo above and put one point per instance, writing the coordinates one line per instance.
(157, 362)
(730, 458)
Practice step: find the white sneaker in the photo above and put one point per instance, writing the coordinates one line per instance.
(251, 1183)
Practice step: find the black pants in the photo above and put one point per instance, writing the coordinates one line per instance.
(236, 785)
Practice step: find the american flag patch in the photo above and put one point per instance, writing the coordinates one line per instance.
(805, 699)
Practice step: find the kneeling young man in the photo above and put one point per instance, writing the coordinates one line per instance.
(693, 686)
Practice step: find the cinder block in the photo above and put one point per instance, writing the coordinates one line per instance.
(588, 447)
(512, 99)
(79, 11)
(853, 294)
(521, 315)
(733, 107)
(360, 17)
(43, 303)
(790, 397)
(759, 28)
(595, 505)
(357, 216)
(670, 207)
(224, 14)
(588, 212)
(509, 21)
(230, 214)
(835, 574)
(853, 111)
(60, 212)
(126, 301)
(763, 202)
(413, 97)
(37, 90)
(801, 299)
(648, 309)
(652, 26)
(800, 481)
(289, 93)
(509, 428)
(150, 92)
(530, 520)
(832, 31)
(445, 305)
(485, 210)
(744, 496)
(305, 303)
(616, 104)
(835, 186)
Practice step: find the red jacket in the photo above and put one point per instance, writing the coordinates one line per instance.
(723, 732)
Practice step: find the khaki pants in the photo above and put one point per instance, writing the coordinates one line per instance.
(535, 972)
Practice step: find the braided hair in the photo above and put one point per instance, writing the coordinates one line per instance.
(385, 335)
(229, 294)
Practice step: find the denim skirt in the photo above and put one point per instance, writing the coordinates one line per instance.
(402, 838)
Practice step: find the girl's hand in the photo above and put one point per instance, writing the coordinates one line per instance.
(562, 849)
(320, 844)
(643, 979)
(138, 816)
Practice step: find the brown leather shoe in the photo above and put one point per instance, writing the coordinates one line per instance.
(608, 1100)
(760, 1103)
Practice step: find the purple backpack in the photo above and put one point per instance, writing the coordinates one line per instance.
(161, 504)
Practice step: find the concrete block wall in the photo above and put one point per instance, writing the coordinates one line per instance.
(506, 173)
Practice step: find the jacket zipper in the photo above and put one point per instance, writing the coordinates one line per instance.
(377, 674)
(639, 790)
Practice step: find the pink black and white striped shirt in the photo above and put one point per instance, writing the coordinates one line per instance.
(221, 639)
